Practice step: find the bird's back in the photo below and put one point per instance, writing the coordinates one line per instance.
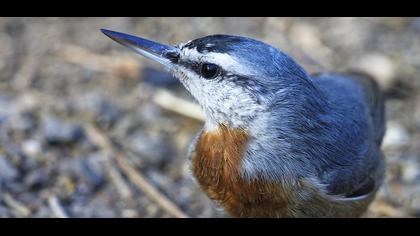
(357, 95)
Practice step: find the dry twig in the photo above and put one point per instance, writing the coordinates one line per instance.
(117, 65)
(134, 175)
(27, 71)
(56, 207)
(117, 179)
(167, 100)
(16, 206)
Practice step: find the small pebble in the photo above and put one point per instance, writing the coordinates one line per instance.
(149, 148)
(7, 171)
(92, 171)
(129, 213)
(99, 109)
(410, 172)
(4, 212)
(305, 35)
(57, 131)
(23, 122)
(31, 147)
(381, 67)
(36, 179)
(396, 136)
(108, 114)
(6, 109)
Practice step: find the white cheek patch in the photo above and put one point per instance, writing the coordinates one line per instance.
(221, 100)
(192, 83)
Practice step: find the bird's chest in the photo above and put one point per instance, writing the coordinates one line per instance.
(216, 164)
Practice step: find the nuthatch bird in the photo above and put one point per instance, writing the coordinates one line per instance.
(277, 142)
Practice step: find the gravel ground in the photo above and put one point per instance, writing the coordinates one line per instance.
(85, 132)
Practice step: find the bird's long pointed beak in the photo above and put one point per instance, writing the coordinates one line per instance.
(164, 54)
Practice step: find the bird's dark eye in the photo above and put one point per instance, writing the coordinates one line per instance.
(209, 70)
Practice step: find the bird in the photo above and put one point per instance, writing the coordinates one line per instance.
(277, 141)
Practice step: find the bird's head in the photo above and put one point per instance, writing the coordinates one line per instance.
(233, 78)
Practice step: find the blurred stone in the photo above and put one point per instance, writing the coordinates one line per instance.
(410, 171)
(149, 148)
(31, 147)
(101, 110)
(129, 213)
(23, 122)
(4, 212)
(7, 171)
(396, 135)
(416, 113)
(108, 113)
(91, 169)
(6, 49)
(36, 179)
(149, 114)
(30, 163)
(152, 210)
(159, 179)
(305, 35)
(83, 173)
(96, 207)
(58, 131)
(414, 200)
(43, 212)
(27, 102)
(65, 188)
(81, 189)
(410, 43)
(14, 153)
(345, 34)
(6, 108)
(381, 67)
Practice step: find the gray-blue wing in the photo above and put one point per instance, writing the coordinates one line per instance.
(370, 172)
(374, 100)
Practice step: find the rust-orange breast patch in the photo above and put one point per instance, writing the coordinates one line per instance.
(216, 164)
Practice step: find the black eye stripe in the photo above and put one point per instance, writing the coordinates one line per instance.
(196, 67)
(190, 65)
(173, 56)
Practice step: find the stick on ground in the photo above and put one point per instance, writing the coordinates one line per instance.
(133, 174)
(168, 101)
(16, 206)
(56, 207)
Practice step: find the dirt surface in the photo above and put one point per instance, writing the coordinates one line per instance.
(86, 131)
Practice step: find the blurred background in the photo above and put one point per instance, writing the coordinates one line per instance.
(90, 129)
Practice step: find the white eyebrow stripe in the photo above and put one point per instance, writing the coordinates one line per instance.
(224, 60)
(182, 45)
(191, 54)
